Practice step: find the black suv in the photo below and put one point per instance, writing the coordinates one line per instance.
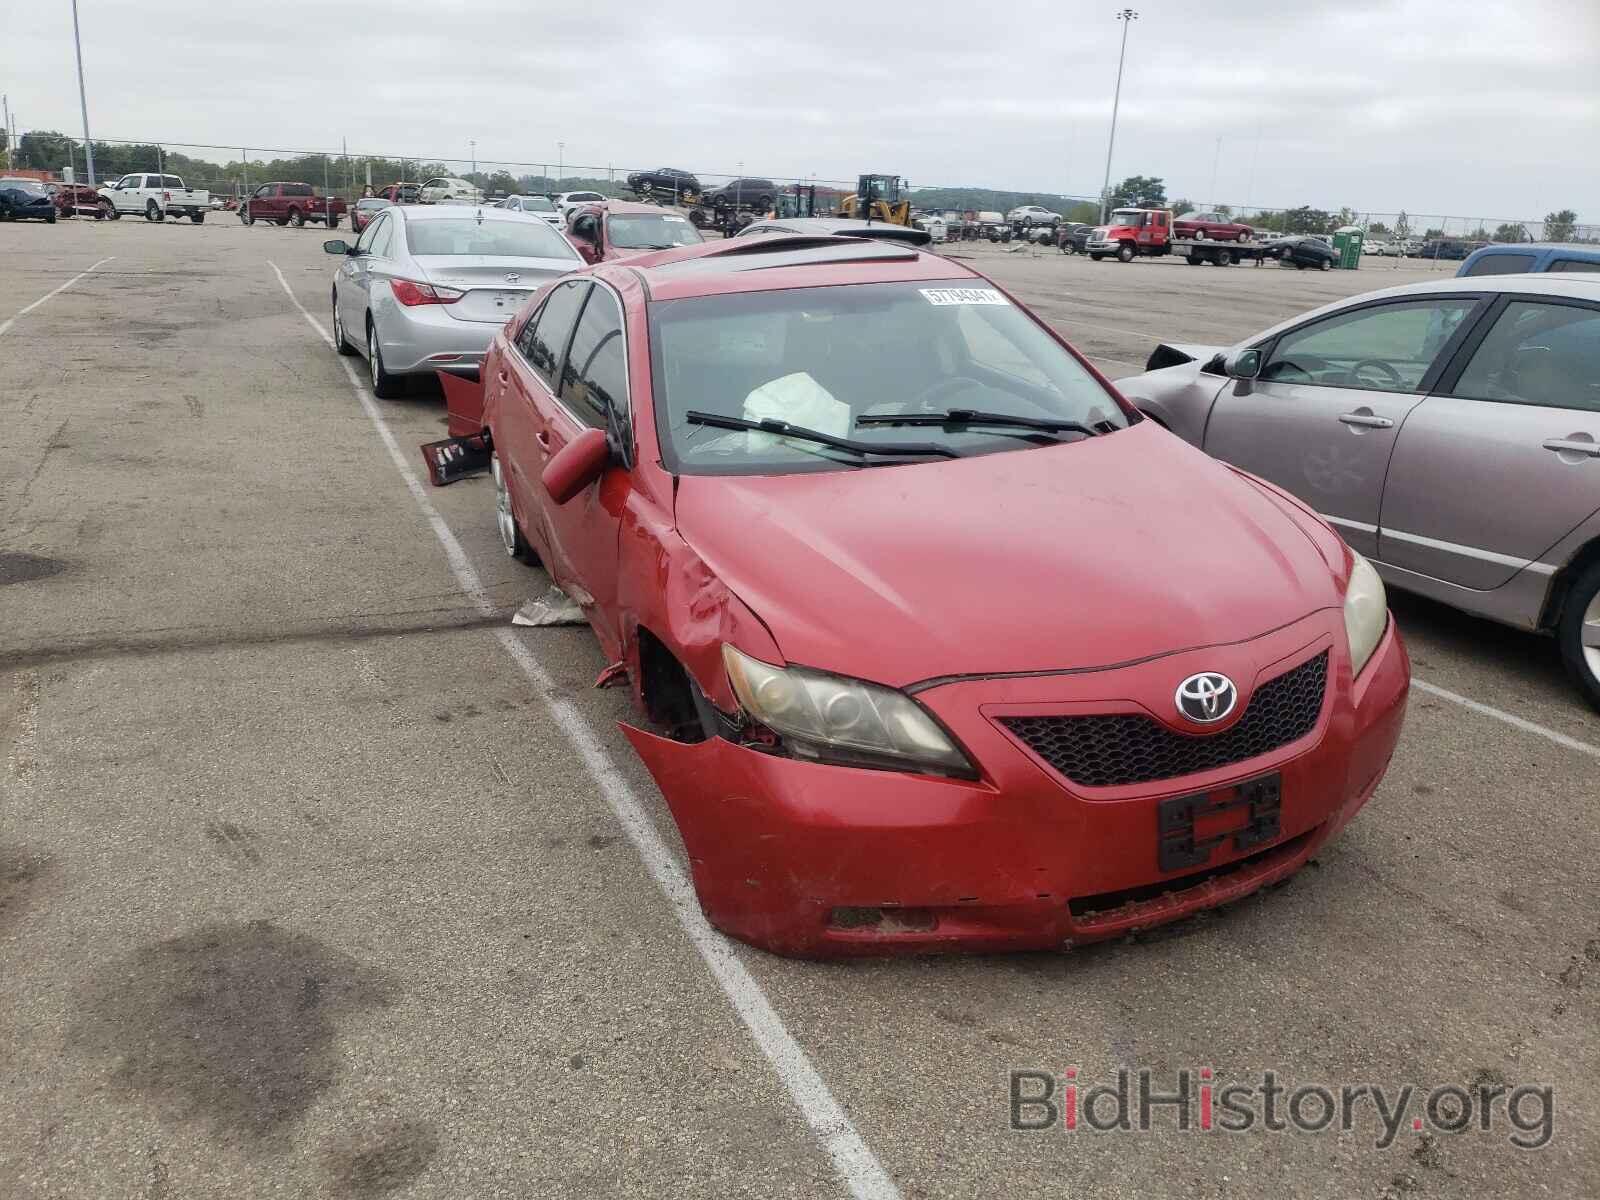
(743, 193)
(664, 179)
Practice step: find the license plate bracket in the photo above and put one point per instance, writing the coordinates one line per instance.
(1181, 847)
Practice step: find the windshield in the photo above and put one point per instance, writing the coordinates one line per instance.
(537, 204)
(489, 237)
(822, 358)
(371, 202)
(27, 187)
(652, 231)
(1129, 216)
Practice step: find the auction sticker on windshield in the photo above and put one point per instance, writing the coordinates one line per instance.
(963, 296)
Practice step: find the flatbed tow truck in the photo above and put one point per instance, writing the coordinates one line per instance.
(1147, 233)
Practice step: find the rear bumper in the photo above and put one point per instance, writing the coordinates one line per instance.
(425, 339)
(819, 861)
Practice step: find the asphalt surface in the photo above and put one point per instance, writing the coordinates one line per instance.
(309, 888)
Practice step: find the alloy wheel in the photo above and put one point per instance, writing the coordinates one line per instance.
(1589, 633)
(503, 516)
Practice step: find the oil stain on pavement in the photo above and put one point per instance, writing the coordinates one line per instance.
(16, 567)
(384, 1162)
(232, 1025)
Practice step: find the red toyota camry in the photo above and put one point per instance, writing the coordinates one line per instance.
(941, 644)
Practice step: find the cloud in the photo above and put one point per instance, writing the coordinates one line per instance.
(1377, 105)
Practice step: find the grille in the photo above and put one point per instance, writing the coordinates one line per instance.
(1115, 750)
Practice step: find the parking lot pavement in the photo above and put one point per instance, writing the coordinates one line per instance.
(307, 887)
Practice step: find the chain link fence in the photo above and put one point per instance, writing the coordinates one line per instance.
(232, 172)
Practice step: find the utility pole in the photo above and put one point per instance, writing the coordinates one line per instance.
(83, 95)
(561, 163)
(471, 142)
(1127, 16)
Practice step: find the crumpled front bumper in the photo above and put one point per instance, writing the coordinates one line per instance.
(816, 860)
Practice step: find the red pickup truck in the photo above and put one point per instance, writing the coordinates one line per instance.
(291, 204)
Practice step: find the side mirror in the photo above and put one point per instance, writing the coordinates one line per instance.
(1242, 364)
(338, 246)
(576, 465)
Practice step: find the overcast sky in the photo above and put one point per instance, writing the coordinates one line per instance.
(1461, 107)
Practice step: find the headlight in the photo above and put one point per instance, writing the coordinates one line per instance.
(842, 720)
(1366, 612)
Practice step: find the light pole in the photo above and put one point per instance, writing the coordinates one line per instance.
(1127, 16)
(474, 146)
(561, 163)
(83, 96)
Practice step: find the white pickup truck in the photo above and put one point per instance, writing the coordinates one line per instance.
(155, 197)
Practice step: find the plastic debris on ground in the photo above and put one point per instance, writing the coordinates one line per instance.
(555, 607)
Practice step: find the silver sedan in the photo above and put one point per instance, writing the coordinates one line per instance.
(425, 288)
(1450, 431)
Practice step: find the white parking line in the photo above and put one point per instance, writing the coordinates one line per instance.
(852, 1158)
(1485, 710)
(22, 312)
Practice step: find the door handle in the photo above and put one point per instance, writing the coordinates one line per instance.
(1573, 446)
(501, 376)
(1366, 420)
(543, 438)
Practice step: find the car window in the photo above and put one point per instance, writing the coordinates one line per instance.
(1574, 264)
(1501, 264)
(552, 328)
(825, 357)
(172, 181)
(263, 191)
(586, 225)
(594, 376)
(1388, 348)
(1538, 353)
(382, 238)
(493, 237)
(651, 231)
(364, 242)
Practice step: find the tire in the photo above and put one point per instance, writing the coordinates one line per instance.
(1126, 253)
(384, 385)
(1224, 258)
(244, 216)
(511, 539)
(1298, 265)
(152, 212)
(281, 222)
(1199, 235)
(111, 211)
(341, 343)
(1097, 257)
(296, 218)
(1194, 260)
(198, 217)
(50, 220)
(1582, 607)
(333, 221)
(1325, 265)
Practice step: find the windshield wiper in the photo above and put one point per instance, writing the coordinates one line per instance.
(801, 433)
(972, 416)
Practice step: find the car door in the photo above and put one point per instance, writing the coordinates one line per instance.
(593, 394)
(521, 418)
(1503, 461)
(1322, 416)
(355, 281)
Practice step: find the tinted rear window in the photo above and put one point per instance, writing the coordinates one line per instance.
(1501, 264)
(496, 239)
(1575, 264)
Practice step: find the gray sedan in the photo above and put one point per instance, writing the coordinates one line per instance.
(1449, 430)
(425, 288)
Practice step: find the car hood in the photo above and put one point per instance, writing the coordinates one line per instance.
(1083, 555)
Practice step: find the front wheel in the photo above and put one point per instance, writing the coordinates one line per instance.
(505, 517)
(1578, 634)
(245, 218)
(111, 212)
(340, 342)
(1324, 265)
(1125, 253)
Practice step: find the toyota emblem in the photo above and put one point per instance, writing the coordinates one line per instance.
(512, 277)
(1207, 697)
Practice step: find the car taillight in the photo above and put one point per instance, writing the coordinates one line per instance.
(412, 294)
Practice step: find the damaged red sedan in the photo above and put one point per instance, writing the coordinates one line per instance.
(943, 645)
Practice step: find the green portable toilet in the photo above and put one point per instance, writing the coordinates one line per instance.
(1347, 247)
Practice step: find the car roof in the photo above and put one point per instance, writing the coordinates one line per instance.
(1583, 253)
(632, 208)
(841, 226)
(435, 212)
(782, 261)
